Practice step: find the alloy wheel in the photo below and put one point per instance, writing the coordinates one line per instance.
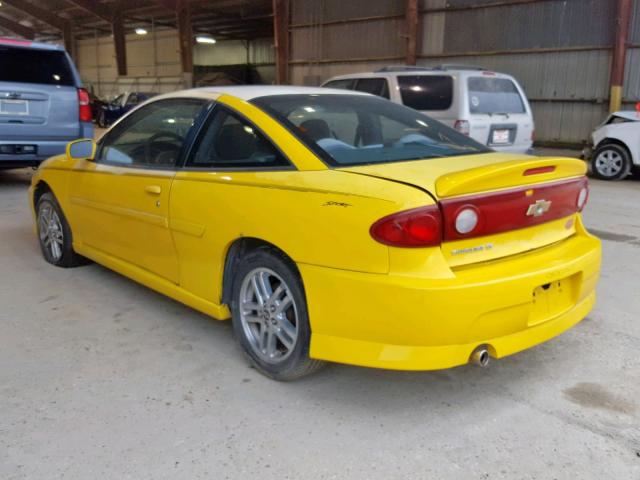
(268, 315)
(609, 163)
(50, 231)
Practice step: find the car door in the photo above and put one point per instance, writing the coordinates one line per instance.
(120, 200)
(209, 198)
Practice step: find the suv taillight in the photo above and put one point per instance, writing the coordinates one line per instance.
(419, 227)
(462, 126)
(85, 107)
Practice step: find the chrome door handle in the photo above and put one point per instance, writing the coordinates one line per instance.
(153, 189)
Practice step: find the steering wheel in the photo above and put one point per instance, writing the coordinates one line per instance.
(155, 149)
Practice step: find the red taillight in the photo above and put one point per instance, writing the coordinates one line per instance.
(516, 208)
(419, 227)
(462, 126)
(85, 107)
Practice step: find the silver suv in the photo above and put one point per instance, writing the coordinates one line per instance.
(488, 106)
(42, 103)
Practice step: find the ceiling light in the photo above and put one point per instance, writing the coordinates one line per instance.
(141, 31)
(205, 38)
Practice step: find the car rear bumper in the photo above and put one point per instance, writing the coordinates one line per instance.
(407, 323)
(44, 148)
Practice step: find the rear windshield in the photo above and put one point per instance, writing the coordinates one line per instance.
(27, 65)
(494, 95)
(426, 92)
(347, 130)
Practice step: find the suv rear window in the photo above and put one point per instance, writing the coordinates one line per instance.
(27, 65)
(494, 95)
(426, 92)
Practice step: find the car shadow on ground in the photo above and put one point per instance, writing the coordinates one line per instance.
(15, 177)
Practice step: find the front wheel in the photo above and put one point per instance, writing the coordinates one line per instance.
(54, 234)
(270, 318)
(611, 162)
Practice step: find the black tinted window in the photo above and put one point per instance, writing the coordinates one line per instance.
(229, 141)
(426, 92)
(347, 130)
(26, 65)
(346, 84)
(152, 135)
(375, 86)
(494, 95)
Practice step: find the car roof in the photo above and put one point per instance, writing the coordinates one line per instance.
(14, 42)
(249, 92)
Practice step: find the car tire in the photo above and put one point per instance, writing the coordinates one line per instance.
(54, 234)
(102, 119)
(611, 161)
(271, 324)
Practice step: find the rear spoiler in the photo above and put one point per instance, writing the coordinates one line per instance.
(513, 173)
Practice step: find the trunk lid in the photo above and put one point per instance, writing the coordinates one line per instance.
(504, 188)
(38, 112)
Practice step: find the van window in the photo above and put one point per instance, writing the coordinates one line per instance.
(345, 84)
(29, 65)
(494, 95)
(375, 86)
(426, 92)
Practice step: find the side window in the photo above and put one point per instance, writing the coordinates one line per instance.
(344, 84)
(426, 92)
(375, 86)
(151, 136)
(230, 141)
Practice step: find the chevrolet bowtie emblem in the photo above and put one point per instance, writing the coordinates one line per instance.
(538, 208)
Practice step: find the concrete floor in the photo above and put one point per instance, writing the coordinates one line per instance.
(101, 378)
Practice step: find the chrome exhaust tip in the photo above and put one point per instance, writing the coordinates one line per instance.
(480, 357)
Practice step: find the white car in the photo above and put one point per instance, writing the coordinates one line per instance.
(616, 144)
(488, 106)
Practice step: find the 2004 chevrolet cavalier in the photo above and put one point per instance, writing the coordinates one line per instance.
(328, 225)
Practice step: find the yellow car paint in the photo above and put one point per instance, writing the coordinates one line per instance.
(369, 304)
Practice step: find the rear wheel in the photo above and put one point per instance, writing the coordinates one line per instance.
(54, 234)
(270, 318)
(611, 162)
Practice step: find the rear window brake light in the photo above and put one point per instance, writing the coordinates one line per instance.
(538, 170)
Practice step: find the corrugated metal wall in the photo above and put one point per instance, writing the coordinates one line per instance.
(559, 50)
(153, 61)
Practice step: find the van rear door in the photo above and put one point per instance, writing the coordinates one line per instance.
(499, 112)
(38, 95)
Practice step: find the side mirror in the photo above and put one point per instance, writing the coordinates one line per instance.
(83, 149)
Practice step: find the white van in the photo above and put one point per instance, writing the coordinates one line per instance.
(490, 107)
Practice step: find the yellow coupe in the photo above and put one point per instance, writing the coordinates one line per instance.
(328, 225)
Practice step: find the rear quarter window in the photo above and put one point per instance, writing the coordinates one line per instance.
(374, 86)
(344, 84)
(426, 92)
(28, 65)
(494, 95)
